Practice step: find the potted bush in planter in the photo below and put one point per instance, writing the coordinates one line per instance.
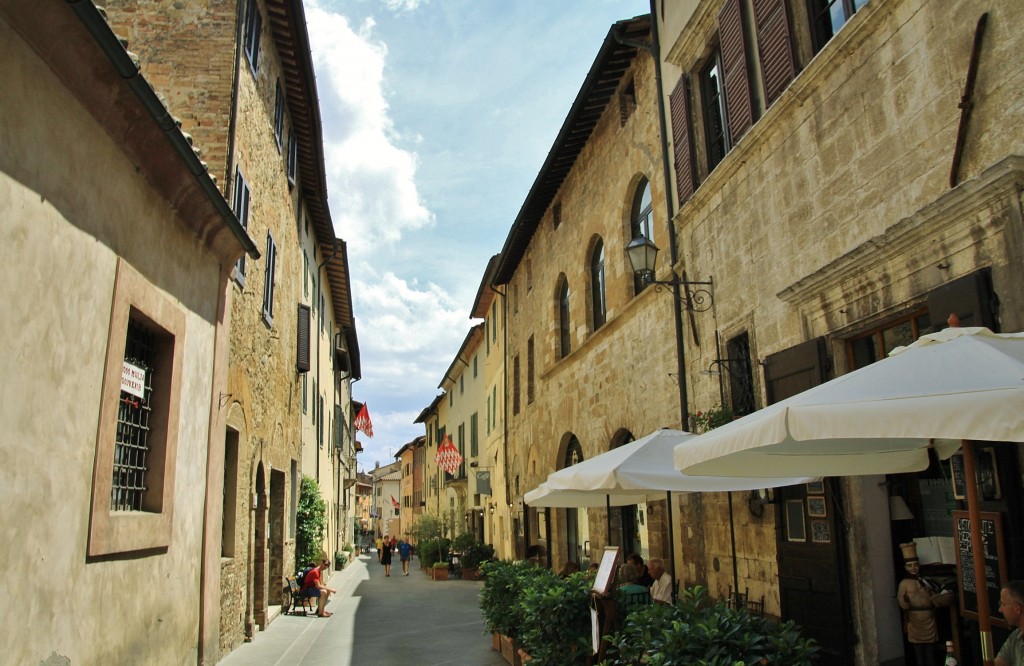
(439, 571)
(475, 555)
(499, 601)
(555, 613)
(698, 631)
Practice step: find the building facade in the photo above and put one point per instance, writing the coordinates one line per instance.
(128, 266)
(590, 353)
(240, 76)
(824, 172)
(387, 488)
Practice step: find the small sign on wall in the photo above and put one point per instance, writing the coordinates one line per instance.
(133, 380)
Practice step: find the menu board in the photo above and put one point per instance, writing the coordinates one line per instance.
(994, 553)
(606, 571)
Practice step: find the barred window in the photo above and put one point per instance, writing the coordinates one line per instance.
(132, 443)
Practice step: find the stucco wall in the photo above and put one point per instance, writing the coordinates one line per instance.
(71, 205)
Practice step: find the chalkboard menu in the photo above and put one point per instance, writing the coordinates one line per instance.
(995, 564)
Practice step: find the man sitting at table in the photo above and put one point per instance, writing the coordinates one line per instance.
(661, 589)
(1011, 605)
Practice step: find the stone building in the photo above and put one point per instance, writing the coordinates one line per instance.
(240, 76)
(827, 175)
(118, 253)
(405, 458)
(590, 354)
(387, 487)
(496, 505)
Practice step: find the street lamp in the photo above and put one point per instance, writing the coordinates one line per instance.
(642, 253)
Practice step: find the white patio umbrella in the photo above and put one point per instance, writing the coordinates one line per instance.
(639, 471)
(943, 391)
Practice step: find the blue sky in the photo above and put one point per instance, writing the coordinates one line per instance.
(437, 116)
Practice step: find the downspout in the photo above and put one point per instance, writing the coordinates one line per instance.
(655, 50)
(319, 380)
(684, 404)
(504, 406)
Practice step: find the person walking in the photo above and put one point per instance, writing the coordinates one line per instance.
(380, 548)
(385, 556)
(404, 553)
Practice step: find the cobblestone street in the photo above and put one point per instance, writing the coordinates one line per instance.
(377, 621)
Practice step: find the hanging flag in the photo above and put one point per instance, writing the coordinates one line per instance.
(394, 502)
(448, 457)
(362, 421)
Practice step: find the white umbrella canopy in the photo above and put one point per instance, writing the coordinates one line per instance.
(545, 496)
(637, 472)
(960, 383)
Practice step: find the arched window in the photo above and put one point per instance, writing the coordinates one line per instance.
(576, 532)
(597, 285)
(564, 337)
(640, 221)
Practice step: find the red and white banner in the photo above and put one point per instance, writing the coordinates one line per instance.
(362, 421)
(448, 457)
(394, 502)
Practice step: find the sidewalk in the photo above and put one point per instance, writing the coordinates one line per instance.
(378, 621)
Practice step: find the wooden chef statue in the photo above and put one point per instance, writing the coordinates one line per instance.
(918, 596)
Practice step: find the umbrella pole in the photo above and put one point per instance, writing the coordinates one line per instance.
(608, 516)
(980, 581)
(671, 540)
(735, 566)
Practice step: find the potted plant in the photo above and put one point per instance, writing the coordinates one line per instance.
(439, 571)
(562, 642)
(696, 630)
(499, 601)
(474, 555)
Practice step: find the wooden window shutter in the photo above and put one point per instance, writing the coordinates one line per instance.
(679, 107)
(302, 345)
(970, 297)
(739, 104)
(775, 47)
(796, 369)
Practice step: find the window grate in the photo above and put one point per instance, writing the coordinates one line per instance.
(132, 444)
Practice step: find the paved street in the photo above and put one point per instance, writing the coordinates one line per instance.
(400, 620)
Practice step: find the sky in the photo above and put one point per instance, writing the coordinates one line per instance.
(437, 116)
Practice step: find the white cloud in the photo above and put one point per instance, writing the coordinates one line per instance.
(371, 178)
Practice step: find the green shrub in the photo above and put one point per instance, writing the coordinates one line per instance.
(504, 582)
(310, 523)
(695, 631)
(432, 550)
(463, 542)
(556, 619)
(476, 554)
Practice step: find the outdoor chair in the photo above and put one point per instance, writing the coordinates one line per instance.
(299, 598)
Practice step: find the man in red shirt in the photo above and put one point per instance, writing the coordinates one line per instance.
(313, 586)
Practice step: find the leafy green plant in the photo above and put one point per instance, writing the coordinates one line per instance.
(463, 542)
(310, 523)
(504, 582)
(713, 418)
(476, 554)
(556, 619)
(432, 550)
(697, 631)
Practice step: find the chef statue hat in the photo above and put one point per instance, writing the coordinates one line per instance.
(909, 551)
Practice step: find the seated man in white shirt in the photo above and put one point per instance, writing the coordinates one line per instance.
(661, 590)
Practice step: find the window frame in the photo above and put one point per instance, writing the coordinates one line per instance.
(819, 9)
(293, 157)
(713, 101)
(564, 321)
(268, 280)
(110, 532)
(253, 30)
(240, 201)
(278, 115)
(598, 286)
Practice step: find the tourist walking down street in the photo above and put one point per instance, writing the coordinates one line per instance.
(385, 556)
(380, 546)
(404, 553)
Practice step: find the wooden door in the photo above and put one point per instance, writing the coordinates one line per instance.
(813, 568)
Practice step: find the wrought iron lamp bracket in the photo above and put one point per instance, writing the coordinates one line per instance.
(697, 296)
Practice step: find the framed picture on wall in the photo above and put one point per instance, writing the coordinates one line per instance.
(796, 528)
(816, 488)
(816, 507)
(820, 532)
